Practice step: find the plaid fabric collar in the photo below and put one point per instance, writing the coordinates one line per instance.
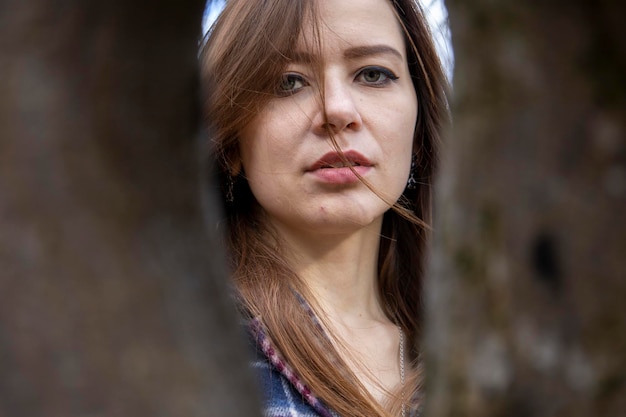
(285, 394)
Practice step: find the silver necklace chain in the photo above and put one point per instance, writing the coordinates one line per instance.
(402, 380)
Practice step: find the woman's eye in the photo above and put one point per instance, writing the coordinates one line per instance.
(376, 76)
(290, 83)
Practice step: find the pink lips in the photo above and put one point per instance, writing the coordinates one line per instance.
(330, 167)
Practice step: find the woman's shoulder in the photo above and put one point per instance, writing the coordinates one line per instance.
(283, 392)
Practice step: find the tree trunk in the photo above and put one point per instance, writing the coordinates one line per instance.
(113, 298)
(527, 281)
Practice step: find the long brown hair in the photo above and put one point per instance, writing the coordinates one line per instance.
(246, 52)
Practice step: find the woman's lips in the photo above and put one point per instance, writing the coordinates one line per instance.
(332, 169)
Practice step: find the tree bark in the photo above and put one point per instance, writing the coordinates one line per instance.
(527, 281)
(113, 297)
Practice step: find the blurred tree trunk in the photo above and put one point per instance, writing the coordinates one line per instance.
(113, 300)
(527, 285)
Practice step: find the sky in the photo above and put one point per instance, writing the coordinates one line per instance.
(437, 16)
(435, 11)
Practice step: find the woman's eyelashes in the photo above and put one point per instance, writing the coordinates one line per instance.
(373, 76)
(376, 76)
(290, 83)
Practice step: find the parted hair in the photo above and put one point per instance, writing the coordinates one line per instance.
(243, 57)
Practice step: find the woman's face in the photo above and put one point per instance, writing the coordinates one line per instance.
(293, 170)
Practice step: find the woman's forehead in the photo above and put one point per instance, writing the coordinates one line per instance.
(342, 25)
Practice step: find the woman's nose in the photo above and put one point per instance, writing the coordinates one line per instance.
(338, 110)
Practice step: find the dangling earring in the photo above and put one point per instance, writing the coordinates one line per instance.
(230, 185)
(411, 184)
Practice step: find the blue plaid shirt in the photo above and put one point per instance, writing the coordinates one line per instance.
(284, 394)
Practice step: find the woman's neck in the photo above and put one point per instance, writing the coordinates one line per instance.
(340, 270)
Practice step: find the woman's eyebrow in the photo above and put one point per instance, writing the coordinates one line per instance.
(353, 52)
(301, 57)
(367, 50)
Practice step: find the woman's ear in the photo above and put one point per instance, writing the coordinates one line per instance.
(416, 155)
(232, 161)
(235, 166)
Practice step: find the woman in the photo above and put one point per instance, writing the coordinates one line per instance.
(325, 115)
